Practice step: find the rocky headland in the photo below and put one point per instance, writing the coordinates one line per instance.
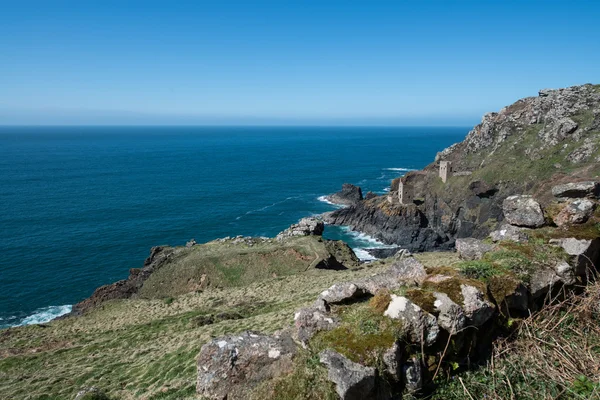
(528, 147)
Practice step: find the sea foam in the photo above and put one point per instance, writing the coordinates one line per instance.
(45, 314)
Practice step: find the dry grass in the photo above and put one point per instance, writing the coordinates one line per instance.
(552, 355)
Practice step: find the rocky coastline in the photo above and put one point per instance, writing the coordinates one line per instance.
(496, 229)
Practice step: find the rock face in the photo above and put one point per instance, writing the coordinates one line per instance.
(577, 189)
(521, 210)
(230, 367)
(406, 226)
(349, 195)
(305, 227)
(353, 381)
(472, 249)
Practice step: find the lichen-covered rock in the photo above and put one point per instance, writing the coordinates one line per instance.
(522, 210)
(419, 325)
(309, 321)
(352, 381)
(575, 212)
(305, 227)
(509, 232)
(230, 367)
(392, 360)
(585, 254)
(403, 272)
(338, 293)
(566, 272)
(542, 281)
(472, 249)
(477, 309)
(557, 130)
(412, 374)
(577, 189)
(451, 316)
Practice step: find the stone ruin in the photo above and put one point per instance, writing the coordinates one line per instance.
(405, 193)
(445, 170)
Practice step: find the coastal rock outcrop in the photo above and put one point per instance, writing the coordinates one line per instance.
(305, 227)
(349, 195)
(126, 288)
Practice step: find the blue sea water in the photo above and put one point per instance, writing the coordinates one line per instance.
(79, 206)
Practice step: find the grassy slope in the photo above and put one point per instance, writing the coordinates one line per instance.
(227, 264)
(145, 348)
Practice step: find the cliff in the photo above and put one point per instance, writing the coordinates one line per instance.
(525, 148)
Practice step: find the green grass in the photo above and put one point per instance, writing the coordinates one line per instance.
(229, 264)
(363, 336)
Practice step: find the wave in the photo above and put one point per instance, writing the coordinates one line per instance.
(257, 210)
(364, 255)
(45, 314)
(324, 199)
(400, 169)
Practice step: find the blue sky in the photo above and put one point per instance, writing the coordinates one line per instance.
(287, 62)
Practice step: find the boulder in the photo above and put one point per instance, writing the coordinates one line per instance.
(576, 211)
(338, 293)
(419, 325)
(405, 271)
(577, 189)
(451, 316)
(190, 243)
(509, 232)
(352, 381)
(542, 281)
(349, 195)
(230, 367)
(472, 249)
(91, 393)
(305, 227)
(521, 210)
(477, 309)
(309, 321)
(585, 253)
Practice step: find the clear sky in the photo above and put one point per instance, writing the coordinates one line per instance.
(287, 62)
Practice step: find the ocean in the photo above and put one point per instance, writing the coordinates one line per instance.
(79, 206)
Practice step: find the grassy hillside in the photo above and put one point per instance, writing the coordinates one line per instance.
(146, 348)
